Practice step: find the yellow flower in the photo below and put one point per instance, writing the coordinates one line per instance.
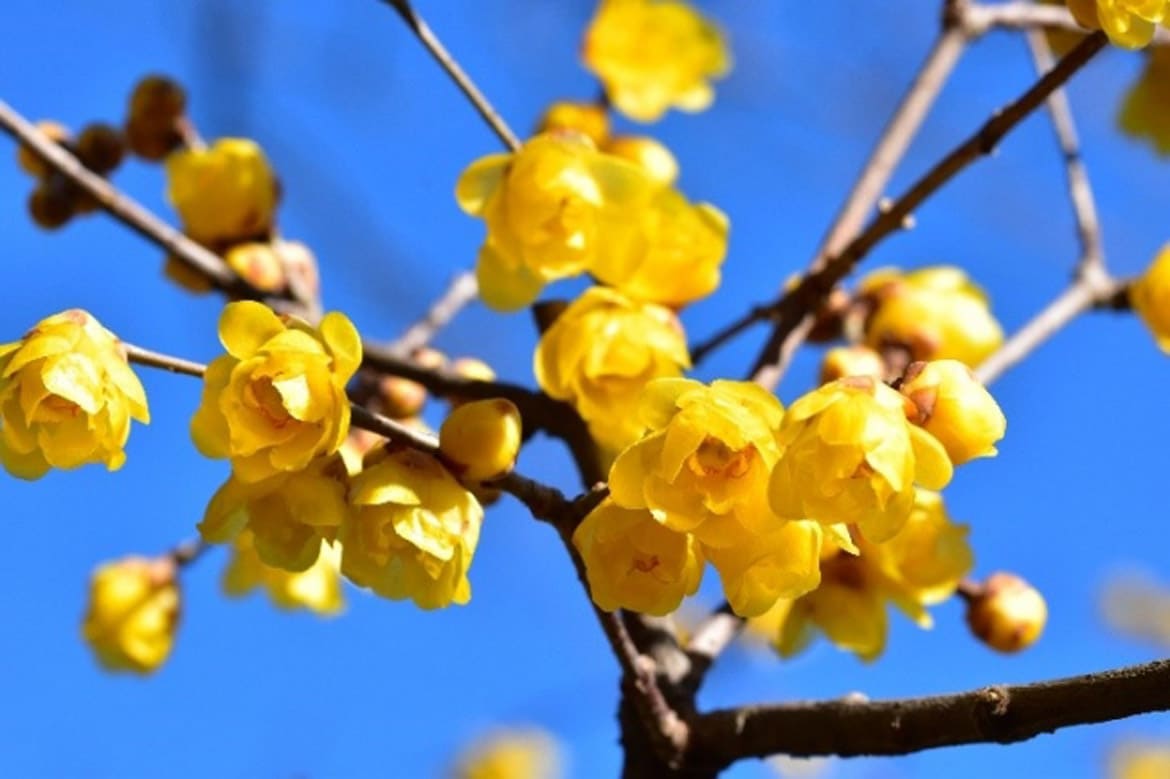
(674, 255)
(919, 567)
(1150, 297)
(288, 514)
(259, 264)
(850, 456)
(632, 562)
(601, 352)
(647, 153)
(1144, 115)
(1007, 614)
(955, 408)
(841, 362)
(937, 313)
(1128, 23)
(780, 563)
(412, 530)
(317, 589)
(653, 55)
(550, 209)
(132, 614)
(67, 396)
(589, 119)
(704, 466)
(1135, 760)
(225, 193)
(481, 438)
(277, 399)
(513, 754)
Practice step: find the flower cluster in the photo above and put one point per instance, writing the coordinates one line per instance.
(1128, 23)
(225, 193)
(133, 613)
(67, 396)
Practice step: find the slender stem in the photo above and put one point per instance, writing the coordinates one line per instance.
(188, 551)
(137, 354)
(122, 207)
(795, 316)
(432, 43)
(459, 293)
(1000, 714)
(1029, 16)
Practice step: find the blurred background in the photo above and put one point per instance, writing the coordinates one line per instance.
(368, 138)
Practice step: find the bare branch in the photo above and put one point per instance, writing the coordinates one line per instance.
(459, 293)
(1029, 16)
(428, 39)
(137, 354)
(795, 311)
(1001, 714)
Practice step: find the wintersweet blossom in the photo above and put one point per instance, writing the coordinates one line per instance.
(1144, 114)
(653, 55)
(1150, 296)
(317, 589)
(67, 395)
(955, 408)
(225, 193)
(481, 438)
(633, 562)
(849, 455)
(600, 353)
(550, 209)
(132, 614)
(412, 530)
(277, 399)
(1130, 24)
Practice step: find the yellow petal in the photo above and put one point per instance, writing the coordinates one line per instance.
(480, 181)
(344, 344)
(245, 326)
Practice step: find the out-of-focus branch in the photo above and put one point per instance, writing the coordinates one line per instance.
(1030, 16)
(187, 552)
(795, 311)
(437, 50)
(1001, 714)
(459, 293)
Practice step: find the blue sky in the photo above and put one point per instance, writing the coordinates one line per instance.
(369, 138)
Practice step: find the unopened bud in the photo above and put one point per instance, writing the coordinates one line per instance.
(259, 264)
(589, 119)
(843, 361)
(955, 408)
(482, 438)
(401, 398)
(100, 148)
(1007, 613)
(29, 162)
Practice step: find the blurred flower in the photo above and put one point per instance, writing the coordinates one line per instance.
(1144, 114)
(955, 408)
(1150, 296)
(224, 193)
(1137, 760)
(855, 360)
(1138, 607)
(653, 55)
(937, 313)
(1128, 23)
(633, 562)
(412, 530)
(599, 354)
(589, 119)
(289, 514)
(318, 588)
(850, 456)
(511, 754)
(550, 209)
(647, 153)
(67, 396)
(277, 399)
(132, 614)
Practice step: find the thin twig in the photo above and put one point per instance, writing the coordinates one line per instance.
(459, 293)
(1080, 191)
(1029, 16)
(428, 39)
(795, 314)
(1001, 714)
(137, 354)
(187, 552)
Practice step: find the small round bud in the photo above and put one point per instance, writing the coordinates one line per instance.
(588, 119)
(648, 154)
(185, 276)
(843, 361)
(259, 264)
(955, 408)
(482, 438)
(51, 207)
(157, 100)
(473, 369)
(1007, 613)
(100, 148)
(401, 398)
(29, 162)
(151, 142)
(430, 358)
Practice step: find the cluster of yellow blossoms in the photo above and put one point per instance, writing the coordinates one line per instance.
(812, 514)
(1128, 23)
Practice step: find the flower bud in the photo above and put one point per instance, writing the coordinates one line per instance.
(401, 398)
(473, 369)
(589, 119)
(482, 438)
(955, 408)
(1007, 614)
(648, 154)
(156, 106)
(29, 162)
(100, 148)
(259, 264)
(132, 614)
(51, 207)
(843, 361)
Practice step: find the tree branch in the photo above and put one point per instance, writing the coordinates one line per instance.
(1001, 714)
(795, 310)
(459, 293)
(1030, 16)
(437, 50)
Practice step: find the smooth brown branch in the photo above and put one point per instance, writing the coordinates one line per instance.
(717, 632)
(459, 293)
(1000, 714)
(796, 310)
(437, 50)
(136, 354)
(1087, 292)
(124, 208)
(1092, 259)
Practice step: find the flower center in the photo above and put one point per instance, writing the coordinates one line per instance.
(715, 458)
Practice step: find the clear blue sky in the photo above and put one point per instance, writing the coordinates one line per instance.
(369, 138)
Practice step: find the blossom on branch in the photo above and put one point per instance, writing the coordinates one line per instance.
(653, 55)
(132, 613)
(318, 588)
(1144, 113)
(277, 399)
(67, 395)
(225, 193)
(955, 408)
(1130, 24)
